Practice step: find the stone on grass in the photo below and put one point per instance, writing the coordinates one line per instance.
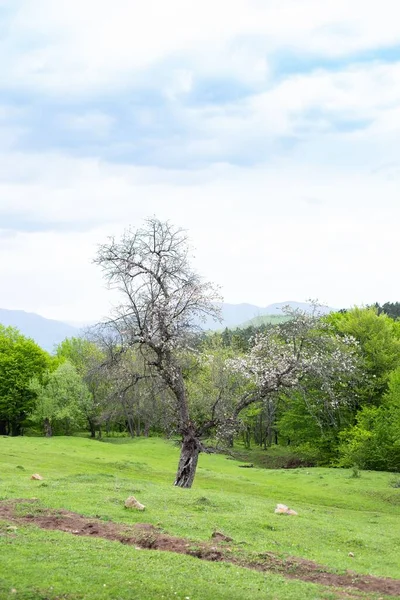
(37, 477)
(131, 502)
(282, 509)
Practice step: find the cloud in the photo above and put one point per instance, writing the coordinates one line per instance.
(268, 129)
(93, 123)
(214, 122)
(84, 46)
(250, 226)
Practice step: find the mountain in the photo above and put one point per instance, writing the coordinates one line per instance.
(238, 315)
(46, 332)
(276, 309)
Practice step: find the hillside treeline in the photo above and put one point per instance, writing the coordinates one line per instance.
(89, 386)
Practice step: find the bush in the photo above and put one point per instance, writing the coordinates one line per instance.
(374, 442)
(355, 472)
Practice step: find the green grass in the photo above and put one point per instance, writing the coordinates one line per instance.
(338, 514)
(275, 457)
(42, 565)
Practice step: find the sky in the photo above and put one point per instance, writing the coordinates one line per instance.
(269, 130)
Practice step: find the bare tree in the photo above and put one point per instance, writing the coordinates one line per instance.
(163, 300)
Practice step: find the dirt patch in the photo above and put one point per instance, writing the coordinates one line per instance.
(143, 535)
(146, 536)
(307, 570)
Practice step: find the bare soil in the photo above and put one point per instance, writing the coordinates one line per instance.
(146, 536)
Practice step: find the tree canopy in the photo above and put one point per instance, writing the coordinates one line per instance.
(20, 360)
(162, 301)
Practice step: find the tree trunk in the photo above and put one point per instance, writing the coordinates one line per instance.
(92, 428)
(191, 448)
(15, 429)
(48, 432)
(269, 435)
(3, 427)
(247, 437)
(131, 426)
(191, 445)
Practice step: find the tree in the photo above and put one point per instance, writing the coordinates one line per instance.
(305, 357)
(374, 441)
(130, 391)
(162, 301)
(20, 360)
(87, 357)
(391, 309)
(61, 400)
(214, 389)
(379, 341)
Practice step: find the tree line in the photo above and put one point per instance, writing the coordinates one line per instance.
(328, 386)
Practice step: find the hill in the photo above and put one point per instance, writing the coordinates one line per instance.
(239, 315)
(46, 332)
(263, 320)
(48, 552)
(277, 308)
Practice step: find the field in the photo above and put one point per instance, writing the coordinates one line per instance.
(343, 523)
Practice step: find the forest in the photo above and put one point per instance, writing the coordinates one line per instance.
(325, 387)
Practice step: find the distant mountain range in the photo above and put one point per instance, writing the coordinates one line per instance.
(239, 315)
(48, 333)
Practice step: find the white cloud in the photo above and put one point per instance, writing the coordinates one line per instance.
(78, 46)
(253, 232)
(319, 219)
(362, 92)
(96, 123)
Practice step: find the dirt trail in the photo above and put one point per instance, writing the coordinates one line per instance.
(146, 536)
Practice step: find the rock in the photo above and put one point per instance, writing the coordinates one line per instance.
(131, 502)
(282, 509)
(37, 477)
(217, 535)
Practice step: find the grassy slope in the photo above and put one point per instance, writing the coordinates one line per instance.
(264, 320)
(337, 515)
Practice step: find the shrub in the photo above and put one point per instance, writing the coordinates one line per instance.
(374, 442)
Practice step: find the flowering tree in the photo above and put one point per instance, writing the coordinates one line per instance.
(293, 354)
(162, 301)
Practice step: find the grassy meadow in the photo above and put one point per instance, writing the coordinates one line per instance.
(338, 514)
